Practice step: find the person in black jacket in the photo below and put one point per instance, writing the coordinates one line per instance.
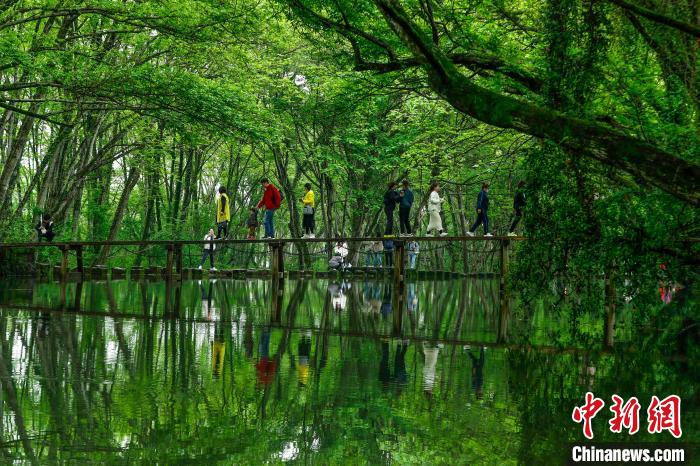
(482, 211)
(518, 205)
(405, 203)
(391, 198)
(45, 228)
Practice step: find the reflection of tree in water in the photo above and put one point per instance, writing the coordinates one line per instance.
(92, 388)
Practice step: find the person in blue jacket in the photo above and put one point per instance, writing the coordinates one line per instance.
(482, 211)
(405, 203)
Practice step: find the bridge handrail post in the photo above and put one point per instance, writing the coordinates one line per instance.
(169, 261)
(64, 261)
(178, 261)
(79, 260)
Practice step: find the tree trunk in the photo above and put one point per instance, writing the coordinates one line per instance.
(129, 185)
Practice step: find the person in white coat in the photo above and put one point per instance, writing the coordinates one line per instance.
(431, 355)
(434, 208)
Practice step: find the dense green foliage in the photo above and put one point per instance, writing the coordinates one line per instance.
(121, 119)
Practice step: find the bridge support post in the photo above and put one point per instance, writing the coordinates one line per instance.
(399, 281)
(277, 260)
(79, 260)
(503, 295)
(505, 262)
(64, 262)
(277, 276)
(78, 296)
(169, 262)
(399, 262)
(62, 295)
(178, 262)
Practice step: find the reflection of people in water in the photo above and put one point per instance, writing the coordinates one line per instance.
(400, 375)
(207, 299)
(218, 349)
(266, 366)
(412, 301)
(431, 354)
(384, 371)
(478, 373)
(667, 292)
(304, 351)
(339, 298)
(374, 296)
(400, 363)
(247, 335)
(386, 301)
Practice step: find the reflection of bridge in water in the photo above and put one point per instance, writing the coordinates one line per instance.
(279, 253)
(285, 258)
(353, 318)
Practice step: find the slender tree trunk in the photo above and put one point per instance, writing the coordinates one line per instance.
(129, 185)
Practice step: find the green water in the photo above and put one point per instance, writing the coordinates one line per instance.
(221, 372)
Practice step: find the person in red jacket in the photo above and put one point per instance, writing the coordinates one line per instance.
(271, 200)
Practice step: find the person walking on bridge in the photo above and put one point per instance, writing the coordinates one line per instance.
(45, 228)
(405, 203)
(209, 248)
(309, 202)
(391, 198)
(271, 200)
(482, 211)
(518, 206)
(434, 208)
(223, 213)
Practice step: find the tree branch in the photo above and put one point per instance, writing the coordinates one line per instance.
(658, 17)
(472, 61)
(644, 161)
(343, 29)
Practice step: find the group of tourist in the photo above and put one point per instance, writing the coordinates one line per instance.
(402, 198)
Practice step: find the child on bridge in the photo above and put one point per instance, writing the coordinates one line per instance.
(209, 248)
(253, 223)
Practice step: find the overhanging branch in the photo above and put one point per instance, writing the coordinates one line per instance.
(658, 17)
(644, 161)
(473, 61)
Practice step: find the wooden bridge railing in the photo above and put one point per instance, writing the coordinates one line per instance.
(174, 250)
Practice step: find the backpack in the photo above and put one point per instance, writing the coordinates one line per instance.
(335, 262)
(281, 196)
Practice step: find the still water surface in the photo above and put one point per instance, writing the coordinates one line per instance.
(219, 372)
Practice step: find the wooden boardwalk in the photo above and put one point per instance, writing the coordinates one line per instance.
(174, 268)
(76, 244)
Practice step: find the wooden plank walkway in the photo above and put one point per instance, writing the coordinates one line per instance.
(174, 268)
(74, 244)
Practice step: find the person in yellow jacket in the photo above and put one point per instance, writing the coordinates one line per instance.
(223, 213)
(309, 201)
(304, 349)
